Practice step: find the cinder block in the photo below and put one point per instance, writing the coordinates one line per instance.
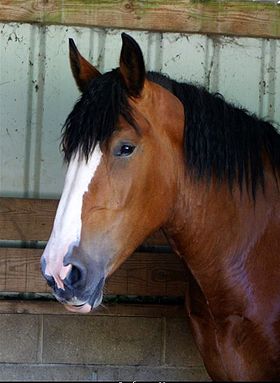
(46, 373)
(102, 340)
(78, 373)
(19, 338)
(181, 350)
(107, 374)
(190, 374)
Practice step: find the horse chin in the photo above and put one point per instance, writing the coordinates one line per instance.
(84, 308)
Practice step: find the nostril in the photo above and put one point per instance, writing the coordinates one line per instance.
(76, 277)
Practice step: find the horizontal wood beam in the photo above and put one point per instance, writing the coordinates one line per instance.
(143, 274)
(238, 18)
(27, 219)
(24, 219)
(112, 309)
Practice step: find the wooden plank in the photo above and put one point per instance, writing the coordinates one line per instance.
(27, 219)
(12, 270)
(143, 274)
(239, 18)
(20, 271)
(16, 276)
(116, 309)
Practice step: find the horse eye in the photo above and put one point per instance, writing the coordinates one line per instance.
(124, 150)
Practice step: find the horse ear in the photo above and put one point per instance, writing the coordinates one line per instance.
(82, 70)
(132, 65)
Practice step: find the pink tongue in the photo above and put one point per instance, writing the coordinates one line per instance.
(79, 309)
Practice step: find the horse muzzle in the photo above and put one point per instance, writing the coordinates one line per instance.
(81, 302)
(82, 288)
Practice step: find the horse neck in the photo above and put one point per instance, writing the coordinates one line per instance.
(214, 230)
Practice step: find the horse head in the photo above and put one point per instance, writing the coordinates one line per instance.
(123, 146)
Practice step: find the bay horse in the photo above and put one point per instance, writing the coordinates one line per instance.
(146, 152)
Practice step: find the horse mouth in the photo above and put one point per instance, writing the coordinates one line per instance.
(84, 307)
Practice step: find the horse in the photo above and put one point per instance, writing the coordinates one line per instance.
(146, 152)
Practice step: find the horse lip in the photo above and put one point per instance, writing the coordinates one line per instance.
(76, 302)
(90, 301)
(82, 304)
(82, 309)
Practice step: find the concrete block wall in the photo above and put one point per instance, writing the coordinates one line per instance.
(97, 348)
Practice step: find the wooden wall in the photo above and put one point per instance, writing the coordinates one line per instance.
(148, 272)
(238, 18)
(25, 224)
(28, 144)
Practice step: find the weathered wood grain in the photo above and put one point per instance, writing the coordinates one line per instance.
(112, 309)
(26, 219)
(239, 18)
(143, 274)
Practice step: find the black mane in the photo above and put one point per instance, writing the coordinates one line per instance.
(220, 139)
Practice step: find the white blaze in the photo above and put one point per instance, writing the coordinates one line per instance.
(67, 224)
